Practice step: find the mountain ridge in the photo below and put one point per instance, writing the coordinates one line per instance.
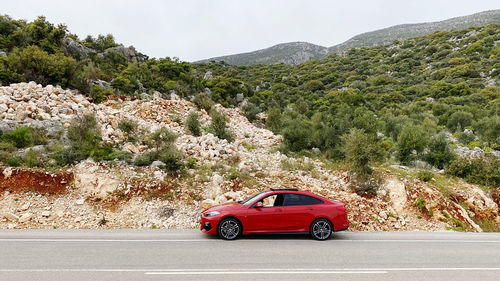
(292, 53)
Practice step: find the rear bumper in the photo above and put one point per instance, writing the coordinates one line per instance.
(337, 230)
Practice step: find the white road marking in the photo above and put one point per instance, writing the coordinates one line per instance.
(262, 271)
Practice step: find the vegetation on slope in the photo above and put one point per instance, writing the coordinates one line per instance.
(407, 101)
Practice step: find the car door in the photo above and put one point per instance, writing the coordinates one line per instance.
(299, 210)
(269, 218)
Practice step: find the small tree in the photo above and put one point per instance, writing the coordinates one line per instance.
(218, 126)
(412, 138)
(440, 153)
(273, 121)
(360, 151)
(297, 135)
(162, 138)
(193, 124)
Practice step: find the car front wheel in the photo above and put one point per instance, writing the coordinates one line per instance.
(229, 229)
(321, 229)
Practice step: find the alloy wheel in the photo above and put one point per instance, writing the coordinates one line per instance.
(321, 229)
(229, 229)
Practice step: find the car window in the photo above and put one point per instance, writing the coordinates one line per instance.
(252, 198)
(292, 199)
(274, 200)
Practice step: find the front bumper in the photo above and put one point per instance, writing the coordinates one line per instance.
(209, 224)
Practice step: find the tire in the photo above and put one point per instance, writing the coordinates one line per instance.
(321, 229)
(229, 229)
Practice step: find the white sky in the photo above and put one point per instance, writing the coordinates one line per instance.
(198, 29)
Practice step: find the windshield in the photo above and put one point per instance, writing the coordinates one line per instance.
(252, 198)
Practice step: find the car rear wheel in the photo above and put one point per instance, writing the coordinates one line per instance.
(321, 229)
(229, 229)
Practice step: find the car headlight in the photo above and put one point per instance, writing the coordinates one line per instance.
(212, 213)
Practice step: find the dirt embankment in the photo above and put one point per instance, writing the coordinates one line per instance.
(21, 180)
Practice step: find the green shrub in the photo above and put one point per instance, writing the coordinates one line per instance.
(464, 138)
(119, 155)
(172, 159)
(297, 135)
(127, 126)
(218, 126)
(459, 120)
(162, 138)
(101, 153)
(84, 134)
(31, 159)
(251, 110)
(412, 139)
(191, 163)
(20, 137)
(13, 161)
(360, 151)
(425, 175)
(439, 153)
(482, 170)
(146, 159)
(273, 120)
(203, 101)
(193, 124)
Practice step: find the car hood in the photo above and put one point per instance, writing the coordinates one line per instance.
(224, 207)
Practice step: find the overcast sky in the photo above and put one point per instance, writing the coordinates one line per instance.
(193, 30)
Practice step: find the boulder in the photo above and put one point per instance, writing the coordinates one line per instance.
(207, 203)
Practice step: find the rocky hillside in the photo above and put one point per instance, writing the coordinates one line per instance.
(289, 53)
(299, 52)
(404, 31)
(120, 192)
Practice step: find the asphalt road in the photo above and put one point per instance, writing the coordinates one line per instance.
(191, 255)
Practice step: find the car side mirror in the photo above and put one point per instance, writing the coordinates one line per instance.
(259, 205)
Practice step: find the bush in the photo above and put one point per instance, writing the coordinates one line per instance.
(31, 159)
(218, 126)
(360, 150)
(193, 124)
(162, 138)
(20, 137)
(459, 120)
(251, 110)
(412, 139)
(203, 101)
(84, 135)
(482, 170)
(440, 153)
(297, 135)
(172, 159)
(127, 126)
(145, 159)
(425, 175)
(273, 120)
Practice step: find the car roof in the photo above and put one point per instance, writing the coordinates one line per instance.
(290, 190)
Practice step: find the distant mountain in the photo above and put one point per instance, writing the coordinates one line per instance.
(404, 31)
(289, 53)
(299, 52)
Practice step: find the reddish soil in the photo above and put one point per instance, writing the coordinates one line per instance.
(21, 180)
(495, 194)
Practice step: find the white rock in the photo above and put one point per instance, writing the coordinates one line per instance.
(26, 217)
(10, 216)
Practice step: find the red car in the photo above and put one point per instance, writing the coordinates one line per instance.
(276, 211)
